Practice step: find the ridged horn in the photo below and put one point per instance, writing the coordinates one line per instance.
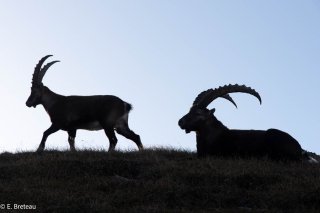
(206, 97)
(37, 69)
(44, 70)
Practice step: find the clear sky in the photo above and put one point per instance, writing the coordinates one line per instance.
(158, 55)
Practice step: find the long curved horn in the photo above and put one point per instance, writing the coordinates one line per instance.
(37, 69)
(228, 97)
(206, 97)
(44, 70)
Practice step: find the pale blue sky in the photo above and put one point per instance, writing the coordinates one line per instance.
(158, 55)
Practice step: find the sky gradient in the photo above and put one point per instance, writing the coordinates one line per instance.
(158, 55)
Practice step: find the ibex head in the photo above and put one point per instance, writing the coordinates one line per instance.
(199, 114)
(37, 86)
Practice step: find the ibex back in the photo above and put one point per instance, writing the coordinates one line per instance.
(70, 113)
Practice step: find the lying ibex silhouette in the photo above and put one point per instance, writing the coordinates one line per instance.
(213, 138)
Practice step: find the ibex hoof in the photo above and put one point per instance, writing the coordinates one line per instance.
(40, 149)
(111, 149)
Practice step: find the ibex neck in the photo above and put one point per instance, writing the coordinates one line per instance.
(49, 98)
(207, 136)
(213, 126)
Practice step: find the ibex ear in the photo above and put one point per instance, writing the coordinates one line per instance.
(211, 111)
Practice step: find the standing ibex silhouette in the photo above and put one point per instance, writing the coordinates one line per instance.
(70, 113)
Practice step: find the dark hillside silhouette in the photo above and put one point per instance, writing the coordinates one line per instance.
(156, 181)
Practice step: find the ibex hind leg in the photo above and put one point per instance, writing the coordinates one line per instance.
(128, 133)
(112, 138)
(123, 129)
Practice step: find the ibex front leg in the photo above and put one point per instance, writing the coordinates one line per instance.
(52, 129)
(71, 138)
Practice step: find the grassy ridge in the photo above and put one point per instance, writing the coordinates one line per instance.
(156, 181)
